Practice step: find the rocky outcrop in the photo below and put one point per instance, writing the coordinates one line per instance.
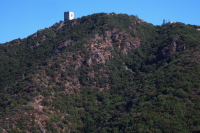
(171, 49)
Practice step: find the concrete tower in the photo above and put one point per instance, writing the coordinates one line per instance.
(68, 16)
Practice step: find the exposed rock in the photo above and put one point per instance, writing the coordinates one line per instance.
(171, 49)
(89, 62)
(60, 26)
(64, 44)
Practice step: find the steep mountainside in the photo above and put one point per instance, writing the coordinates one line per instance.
(102, 73)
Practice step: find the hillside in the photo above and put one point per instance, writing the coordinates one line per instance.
(102, 73)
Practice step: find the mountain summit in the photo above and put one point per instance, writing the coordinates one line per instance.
(104, 72)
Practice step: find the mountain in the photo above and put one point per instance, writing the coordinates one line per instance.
(102, 73)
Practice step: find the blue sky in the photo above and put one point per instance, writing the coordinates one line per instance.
(21, 18)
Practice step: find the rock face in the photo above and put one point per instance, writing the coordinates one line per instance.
(172, 48)
(100, 46)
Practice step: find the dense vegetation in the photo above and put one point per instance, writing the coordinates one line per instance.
(102, 73)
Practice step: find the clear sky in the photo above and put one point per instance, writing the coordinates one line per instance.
(21, 18)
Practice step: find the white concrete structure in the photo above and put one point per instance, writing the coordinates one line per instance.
(68, 16)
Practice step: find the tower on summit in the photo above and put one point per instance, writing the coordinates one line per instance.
(68, 16)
